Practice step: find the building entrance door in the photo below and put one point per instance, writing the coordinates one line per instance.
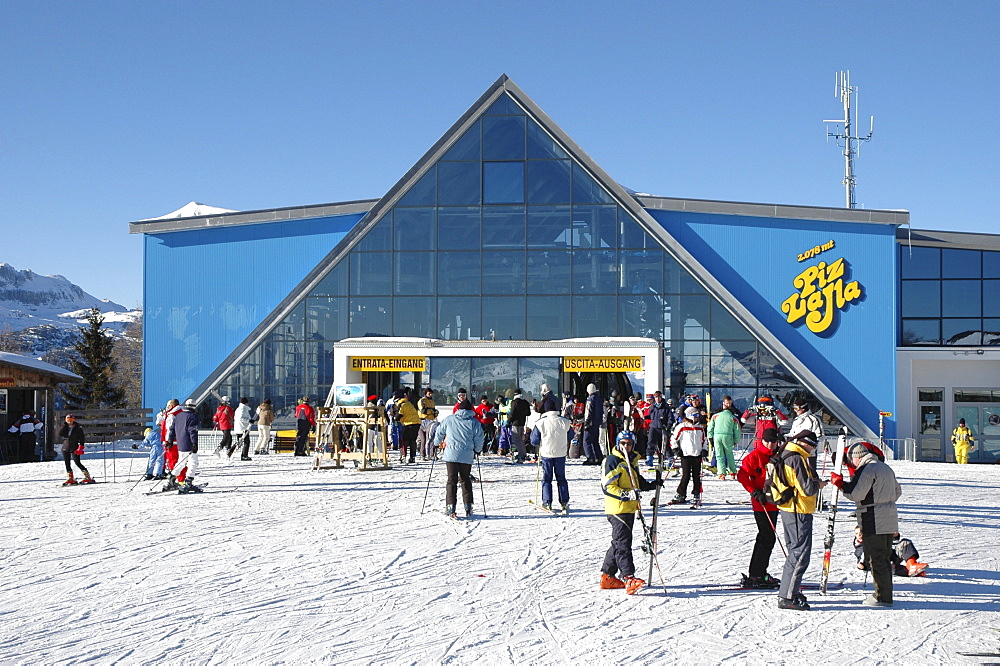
(984, 422)
(931, 440)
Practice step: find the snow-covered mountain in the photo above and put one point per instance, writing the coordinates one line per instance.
(46, 311)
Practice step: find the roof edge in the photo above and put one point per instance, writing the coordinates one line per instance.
(750, 209)
(251, 217)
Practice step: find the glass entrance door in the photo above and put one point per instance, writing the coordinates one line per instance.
(984, 422)
(931, 441)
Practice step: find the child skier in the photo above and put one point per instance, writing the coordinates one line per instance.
(72, 437)
(621, 502)
(903, 556)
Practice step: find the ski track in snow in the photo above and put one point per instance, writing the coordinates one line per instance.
(340, 566)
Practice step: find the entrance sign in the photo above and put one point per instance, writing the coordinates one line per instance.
(389, 363)
(602, 363)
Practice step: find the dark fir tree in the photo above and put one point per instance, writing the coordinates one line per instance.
(95, 363)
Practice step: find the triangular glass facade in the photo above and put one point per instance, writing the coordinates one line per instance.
(507, 237)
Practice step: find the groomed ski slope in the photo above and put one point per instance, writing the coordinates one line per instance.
(339, 566)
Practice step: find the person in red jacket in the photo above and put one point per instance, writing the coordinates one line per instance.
(486, 415)
(223, 420)
(752, 474)
(766, 415)
(305, 420)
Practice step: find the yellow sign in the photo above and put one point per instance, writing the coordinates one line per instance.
(822, 293)
(389, 363)
(602, 363)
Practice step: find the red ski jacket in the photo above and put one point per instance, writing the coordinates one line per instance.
(224, 417)
(753, 473)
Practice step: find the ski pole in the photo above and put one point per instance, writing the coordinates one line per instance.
(104, 457)
(129, 477)
(775, 528)
(538, 476)
(427, 492)
(482, 494)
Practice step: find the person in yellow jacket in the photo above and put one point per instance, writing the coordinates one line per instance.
(621, 501)
(963, 440)
(793, 487)
(410, 419)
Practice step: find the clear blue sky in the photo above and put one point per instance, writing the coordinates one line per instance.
(115, 111)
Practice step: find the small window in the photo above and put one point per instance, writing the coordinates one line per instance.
(930, 395)
(503, 182)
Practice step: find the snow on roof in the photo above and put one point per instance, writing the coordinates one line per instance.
(7, 358)
(192, 209)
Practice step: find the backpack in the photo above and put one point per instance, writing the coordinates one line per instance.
(783, 491)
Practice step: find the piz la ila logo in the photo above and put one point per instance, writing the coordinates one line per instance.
(823, 291)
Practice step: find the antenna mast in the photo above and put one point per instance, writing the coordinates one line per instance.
(845, 139)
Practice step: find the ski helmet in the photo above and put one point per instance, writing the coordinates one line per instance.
(624, 438)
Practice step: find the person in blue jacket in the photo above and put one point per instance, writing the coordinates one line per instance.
(460, 436)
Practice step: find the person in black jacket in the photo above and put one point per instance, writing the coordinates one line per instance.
(72, 436)
(518, 415)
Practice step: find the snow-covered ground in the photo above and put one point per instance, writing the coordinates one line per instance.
(339, 566)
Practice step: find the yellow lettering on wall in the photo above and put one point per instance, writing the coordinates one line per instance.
(822, 293)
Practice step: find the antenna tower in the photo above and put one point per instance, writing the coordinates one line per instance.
(850, 143)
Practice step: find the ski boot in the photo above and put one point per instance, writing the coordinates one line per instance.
(914, 568)
(609, 582)
(565, 509)
(449, 510)
(765, 582)
(468, 511)
(189, 487)
(795, 603)
(87, 479)
(547, 506)
(70, 481)
(147, 477)
(678, 499)
(633, 584)
(171, 484)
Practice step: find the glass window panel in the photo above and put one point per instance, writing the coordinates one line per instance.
(734, 363)
(594, 316)
(467, 147)
(503, 182)
(414, 317)
(920, 298)
(919, 262)
(370, 317)
(962, 331)
(595, 227)
(492, 377)
(249, 371)
(641, 271)
(378, 239)
(318, 363)
(335, 282)
(640, 316)
(961, 298)
(533, 372)
(586, 190)
(541, 145)
(503, 272)
(677, 280)
(284, 362)
(991, 298)
(414, 228)
(991, 331)
(505, 317)
(689, 318)
(961, 263)
(549, 272)
(503, 106)
(447, 376)
(631, 235)
(459, 318)
(458, 272)
(326, 318)
(548, 226)
(991, 264)
(291, 327)
(503, 138)
(459, 184)
(458, 228)
(930, 395)
(423, 192)
(549, 181)
(549, 318)
(503, 227)
(371, 273)
(921, 332)
(770, 371)
(725, 326)
(595, 272)
(285, 399)
(414, 273)
(688, 369)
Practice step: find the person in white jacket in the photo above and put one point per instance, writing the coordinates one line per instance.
(688, 442)
(241, 429)
(550, 438)
(806, 420)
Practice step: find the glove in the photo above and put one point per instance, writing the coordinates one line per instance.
(675, 452)
(704, 454)
(759, 495)
(167, 446)
(658, 483)
(629, 495)
(79, 450)
(837, 480)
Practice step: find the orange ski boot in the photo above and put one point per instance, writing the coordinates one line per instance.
(70, 481)
(914, 568)
(611, 582)
(632, 584)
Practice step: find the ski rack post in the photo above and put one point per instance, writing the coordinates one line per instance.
(831, 523)
(882, 415)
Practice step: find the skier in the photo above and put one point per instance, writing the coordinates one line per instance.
(460, 436)
(517, 418)
(25, 428)
(503, 425)
(184, 432)
(154, 464)
(621, 501)
(305, 420)
(688, 442)
(241, 429)
(806, 420)
(487, 415)
(264, 417)
(549, 437)
(723, 433)
(72, 436)
(794, 487)
(660, 421)
(223, 420)
(461, 396)
(410, 420)
(635, 421)
(549, 401)
(766, 416)
(428, 424)
(753, 474)
(169, 447)
(593, 419)
(875, 490)
(904, 555)
(963, 440)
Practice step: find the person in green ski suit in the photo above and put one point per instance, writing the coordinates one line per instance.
(723, 433)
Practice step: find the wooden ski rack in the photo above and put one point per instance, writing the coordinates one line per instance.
(360, 434)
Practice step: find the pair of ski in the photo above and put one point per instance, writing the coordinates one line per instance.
(562, 512)
(165, 491)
